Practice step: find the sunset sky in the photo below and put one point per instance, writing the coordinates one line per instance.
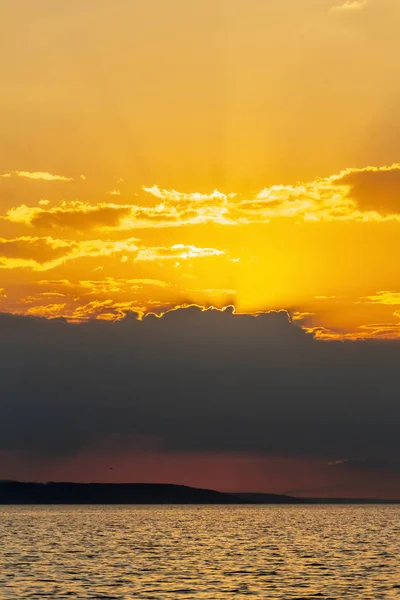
(220, 153)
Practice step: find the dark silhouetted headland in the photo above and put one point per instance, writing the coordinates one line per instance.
(16, 492)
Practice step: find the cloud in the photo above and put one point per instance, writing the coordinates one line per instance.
(372, 331)
(111, 285)
(106, 310)
(300, 316)
(384, 297)
(37, 175)
(179, 209)
(58, 282)
(32, 252)
(46, 253)
(177, 251)
(351, 5)
(369, 194)
(226, 291)
(111, 298)
(373, 189)
(199, 382)
(50, 310)
(68, 215)
(366, 195)
(52, 294)
(108, 216)
(197, 197)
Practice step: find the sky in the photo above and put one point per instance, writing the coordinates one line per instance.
(158, 159)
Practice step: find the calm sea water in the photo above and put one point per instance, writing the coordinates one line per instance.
(200, 552)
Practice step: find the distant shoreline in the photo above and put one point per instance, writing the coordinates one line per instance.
(68, 493)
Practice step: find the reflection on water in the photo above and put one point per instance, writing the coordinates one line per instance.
(266, 552)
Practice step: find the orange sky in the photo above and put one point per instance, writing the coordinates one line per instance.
(213, 152)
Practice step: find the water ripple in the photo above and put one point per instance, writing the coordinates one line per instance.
(144, 552)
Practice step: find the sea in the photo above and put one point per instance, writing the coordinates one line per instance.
(200, 552)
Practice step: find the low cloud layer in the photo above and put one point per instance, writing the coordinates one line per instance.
(197, 382)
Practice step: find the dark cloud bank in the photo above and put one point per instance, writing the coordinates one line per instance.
(197, 382)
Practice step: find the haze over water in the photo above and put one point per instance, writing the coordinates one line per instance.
(207, 552)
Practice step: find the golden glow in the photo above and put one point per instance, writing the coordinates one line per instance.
(304, 248)
(215, 153)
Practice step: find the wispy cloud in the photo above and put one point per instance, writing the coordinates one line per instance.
(38, 175)
(46, 253)
(384, 297)
(175, 196)
(178, 251)
(351, 5)
(111, 285)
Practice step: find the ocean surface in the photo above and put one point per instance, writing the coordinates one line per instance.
(208, 552)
